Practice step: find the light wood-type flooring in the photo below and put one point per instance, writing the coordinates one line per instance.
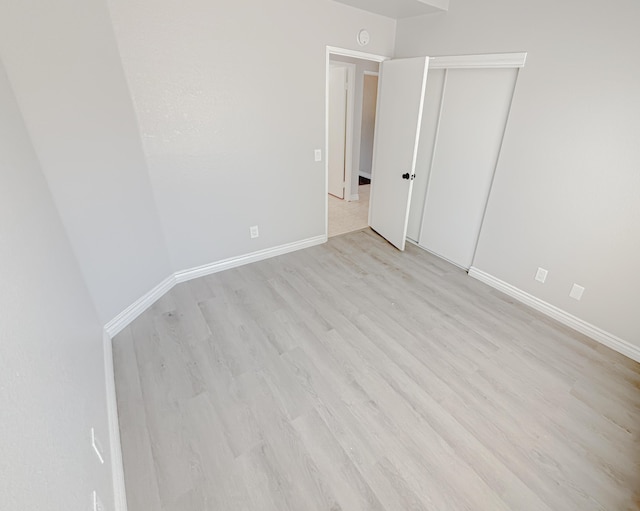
(351, 376)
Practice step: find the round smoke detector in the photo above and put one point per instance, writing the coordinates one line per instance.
(363, 37)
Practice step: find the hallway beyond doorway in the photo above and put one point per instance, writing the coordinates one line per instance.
(347, 216)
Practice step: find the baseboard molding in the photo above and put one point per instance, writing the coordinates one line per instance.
(113, 327)
(364, 173)
(117, 324)
(115, 447)
(233, 262)
(354, 197)
(602, 336)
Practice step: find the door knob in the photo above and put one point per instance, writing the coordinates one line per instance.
(406, 176)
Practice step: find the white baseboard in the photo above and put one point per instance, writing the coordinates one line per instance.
(117, 324)
(603, 337)
(233, 262)
(364, 173)
(117, 469)
(123, 319)
(354, 197)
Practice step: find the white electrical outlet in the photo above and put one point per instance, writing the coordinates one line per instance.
(96, 503)
(253, 231)
(541, 275)
(318, 154)
(576, 292)
(97, 447)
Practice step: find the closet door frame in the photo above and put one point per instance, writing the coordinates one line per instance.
(484, 61)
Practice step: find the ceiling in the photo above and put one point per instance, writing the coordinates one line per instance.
(398, 9)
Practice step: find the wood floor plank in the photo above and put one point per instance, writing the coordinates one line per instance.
(335, 398)
(139, 467)
(353, 376)
(308, 489)
(166, 383)
(351, 490)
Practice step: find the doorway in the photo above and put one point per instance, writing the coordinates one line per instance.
(352, 85)
(449, 209)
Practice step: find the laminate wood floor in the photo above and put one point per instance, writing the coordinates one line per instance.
(350, 376)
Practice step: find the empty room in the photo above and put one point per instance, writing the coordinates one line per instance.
(319, 255)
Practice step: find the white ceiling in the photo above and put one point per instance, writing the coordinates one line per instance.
(399, 8)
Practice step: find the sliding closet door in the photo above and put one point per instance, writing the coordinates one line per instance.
(474, 111)
(430, 120)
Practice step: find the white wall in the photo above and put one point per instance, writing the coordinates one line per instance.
(63, 63)
(230, 98)
(566, 190)
(51, 377)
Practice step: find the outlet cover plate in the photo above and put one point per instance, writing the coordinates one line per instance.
(541, 275)
(318, 154)
(253, 231)
(576, 292)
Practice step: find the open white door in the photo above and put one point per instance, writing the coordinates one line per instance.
(337, 129)
(399, 114)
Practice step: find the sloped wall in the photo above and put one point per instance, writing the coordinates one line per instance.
(51, 379)
(63, 62)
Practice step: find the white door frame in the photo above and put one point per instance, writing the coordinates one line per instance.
(333, 50)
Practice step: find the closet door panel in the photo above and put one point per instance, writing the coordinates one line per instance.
(473, 119)
(430, 116)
